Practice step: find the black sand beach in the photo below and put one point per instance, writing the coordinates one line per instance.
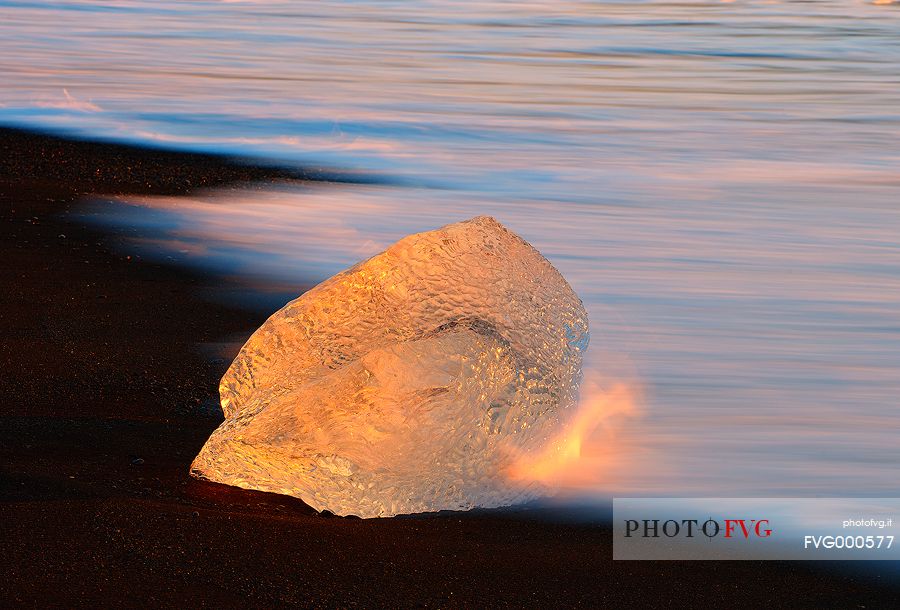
(106, 397)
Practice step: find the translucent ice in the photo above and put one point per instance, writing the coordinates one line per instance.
(411, 382)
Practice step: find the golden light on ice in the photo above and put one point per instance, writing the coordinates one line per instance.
(563, 462)
(410, 382)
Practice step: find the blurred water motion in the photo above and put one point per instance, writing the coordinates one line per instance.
(718, 181)
(765, 336)
(585, 452)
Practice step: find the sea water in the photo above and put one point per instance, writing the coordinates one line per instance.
(717, 180)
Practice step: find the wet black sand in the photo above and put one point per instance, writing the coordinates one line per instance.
(105, 397)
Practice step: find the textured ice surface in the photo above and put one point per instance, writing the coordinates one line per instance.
(411, 382)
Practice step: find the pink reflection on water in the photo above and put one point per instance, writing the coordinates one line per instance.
(716, 180)
(758, 333)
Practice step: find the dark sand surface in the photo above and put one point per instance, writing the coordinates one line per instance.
(106, 396)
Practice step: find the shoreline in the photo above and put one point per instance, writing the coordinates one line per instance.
(107, 397)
